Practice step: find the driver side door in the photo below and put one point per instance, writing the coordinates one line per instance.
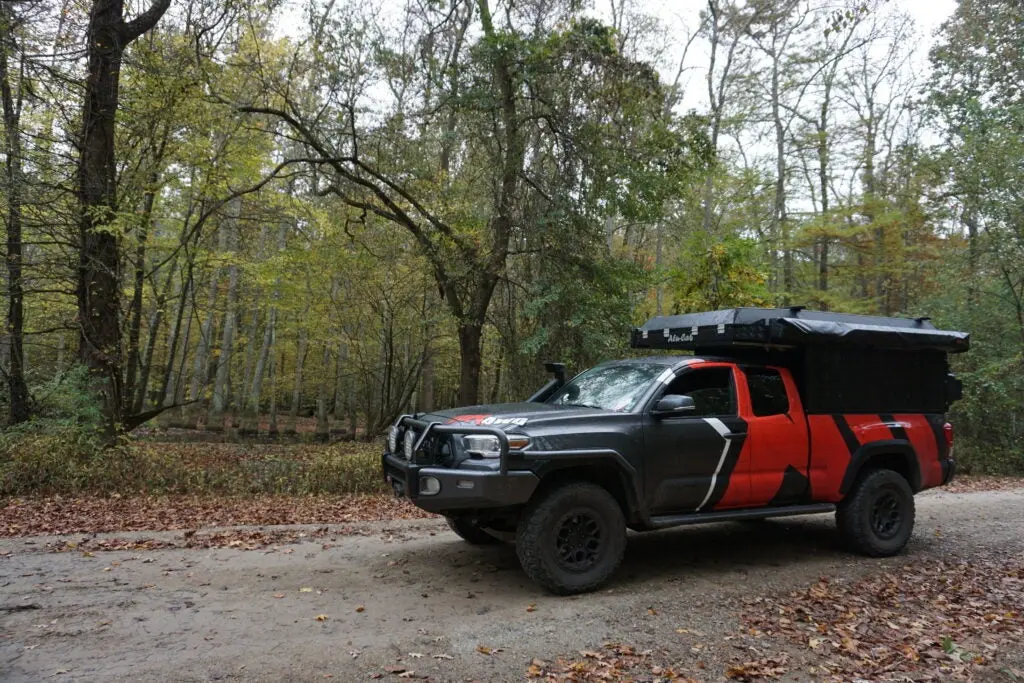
(690, 458)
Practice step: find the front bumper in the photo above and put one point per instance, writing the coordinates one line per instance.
(460, 489)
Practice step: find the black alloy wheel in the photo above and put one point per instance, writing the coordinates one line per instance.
(885, 515)
(579, 540)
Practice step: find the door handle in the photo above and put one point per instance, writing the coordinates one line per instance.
(733, 435)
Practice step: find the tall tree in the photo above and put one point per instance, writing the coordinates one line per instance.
(12, 89)
(99, 248)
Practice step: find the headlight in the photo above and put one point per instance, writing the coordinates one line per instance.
(482, 445)
(487, 446)
(393, 439)
(409, 444)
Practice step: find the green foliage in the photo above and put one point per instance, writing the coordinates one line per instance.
(578, 309)
(715, 274)
(977, 101)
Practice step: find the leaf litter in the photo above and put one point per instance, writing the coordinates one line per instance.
(95, 514)
(930, 620)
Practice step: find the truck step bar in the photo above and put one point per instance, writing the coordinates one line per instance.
(666, 521)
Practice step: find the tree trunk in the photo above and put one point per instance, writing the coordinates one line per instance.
(251, 422)
(272, 429)
(300, 359)
(16, 385)
(323, 426)
(200, 364)
(426, 397)
(135, 310)
(339, 384)
(146, 363)
(823, 161)
(470, 361)
(221, 385)
(166, 389)
(99, 262)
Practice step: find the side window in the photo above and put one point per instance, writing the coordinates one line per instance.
(710, 388)
(767, 392)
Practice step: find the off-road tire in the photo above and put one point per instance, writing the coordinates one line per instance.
(860, 523)
(470, 532)
(546, 550)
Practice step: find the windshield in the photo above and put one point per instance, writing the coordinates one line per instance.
(608, 387)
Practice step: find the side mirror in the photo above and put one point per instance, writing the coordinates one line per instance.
(674, 404)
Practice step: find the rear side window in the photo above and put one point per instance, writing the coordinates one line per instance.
(767, 392)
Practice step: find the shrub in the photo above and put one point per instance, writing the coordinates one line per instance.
(349, 470)
(69, 461)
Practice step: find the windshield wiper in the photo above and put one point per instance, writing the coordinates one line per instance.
(582, 405)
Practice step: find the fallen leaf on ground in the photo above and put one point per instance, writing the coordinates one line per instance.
(930, 620)
(97, 514)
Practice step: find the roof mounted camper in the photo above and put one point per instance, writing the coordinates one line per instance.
(792, 327)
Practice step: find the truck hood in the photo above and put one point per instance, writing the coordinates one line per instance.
(508, 415)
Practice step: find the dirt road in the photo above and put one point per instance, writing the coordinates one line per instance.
(410, 595)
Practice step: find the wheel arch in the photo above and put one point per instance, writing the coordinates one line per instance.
(607, 472)
(892, 454)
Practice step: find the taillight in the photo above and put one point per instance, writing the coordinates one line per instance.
(947, 431)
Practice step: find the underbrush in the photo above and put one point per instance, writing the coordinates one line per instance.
(67, 461)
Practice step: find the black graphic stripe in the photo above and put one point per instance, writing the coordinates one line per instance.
(852, 444)
(897, 430)
(937, 424)
(794, 488)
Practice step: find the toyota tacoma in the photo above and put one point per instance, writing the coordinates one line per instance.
(759, 413)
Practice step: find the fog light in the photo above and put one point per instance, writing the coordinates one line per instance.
(429, 486)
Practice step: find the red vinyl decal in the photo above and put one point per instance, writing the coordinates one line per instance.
(737, 493)
(921, 436)
(830, 456)
(868, 428)
(467, 419)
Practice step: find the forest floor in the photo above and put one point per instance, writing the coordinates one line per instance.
(213, 597)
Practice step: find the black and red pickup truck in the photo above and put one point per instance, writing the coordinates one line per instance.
(769, 413)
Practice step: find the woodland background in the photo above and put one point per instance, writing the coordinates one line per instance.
(297, 222)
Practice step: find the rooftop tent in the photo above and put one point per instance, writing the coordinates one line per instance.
(782, 328)
(842, 363)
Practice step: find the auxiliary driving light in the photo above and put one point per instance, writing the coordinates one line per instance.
(409, 444)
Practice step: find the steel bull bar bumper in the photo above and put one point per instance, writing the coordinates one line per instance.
(438, 489)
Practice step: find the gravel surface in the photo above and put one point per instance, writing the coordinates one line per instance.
(411, 595)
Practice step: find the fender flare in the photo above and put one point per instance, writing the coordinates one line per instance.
(863, 456)
(555, 461)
